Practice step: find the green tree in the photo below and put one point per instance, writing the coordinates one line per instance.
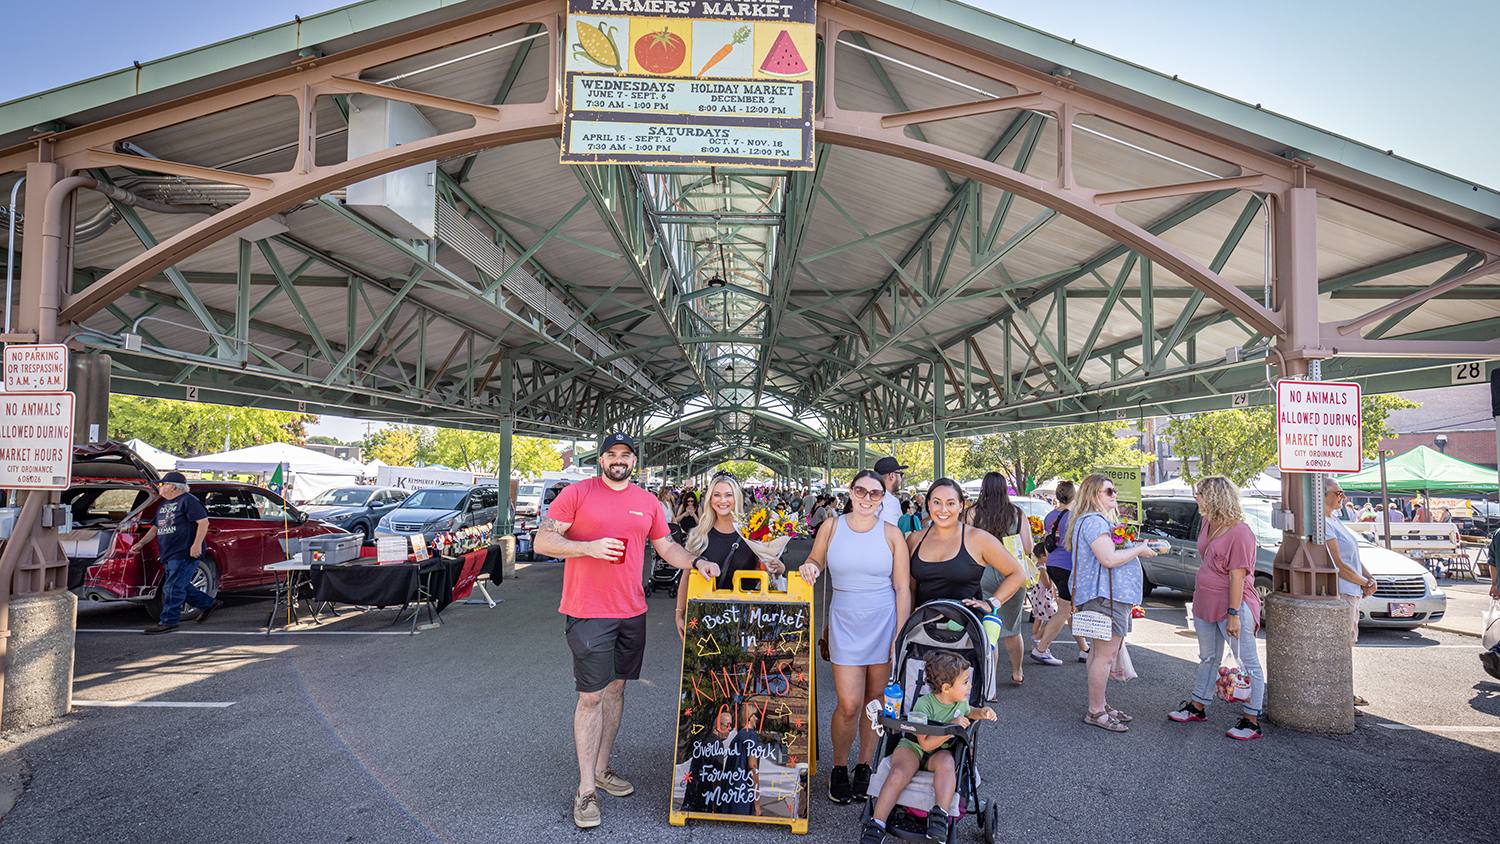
(1375, 414)
(1240, 444)
(743, 470)
(1039, 454)
(322, 440)
(190, 428)
(479, 451)
(400, 445)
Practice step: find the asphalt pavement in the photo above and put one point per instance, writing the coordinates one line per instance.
(355, 732)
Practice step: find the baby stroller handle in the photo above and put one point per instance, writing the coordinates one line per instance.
(956, 731)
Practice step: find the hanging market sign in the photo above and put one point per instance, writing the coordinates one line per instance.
(689, 82)
(1318, 426)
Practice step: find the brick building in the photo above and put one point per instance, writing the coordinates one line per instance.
(1460, 416)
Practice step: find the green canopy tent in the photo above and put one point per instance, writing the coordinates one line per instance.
(1423, 470)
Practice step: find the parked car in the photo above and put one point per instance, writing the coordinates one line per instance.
(110, 482)
(246, 526)
(528, 498)
(435, 509)
(1407, 595)
(356, 509)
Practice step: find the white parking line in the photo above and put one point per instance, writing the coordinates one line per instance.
(172, 704)
(1437, 728)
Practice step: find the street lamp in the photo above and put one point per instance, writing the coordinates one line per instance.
(1442, 443)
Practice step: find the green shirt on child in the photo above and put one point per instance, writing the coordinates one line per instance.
(938, 714)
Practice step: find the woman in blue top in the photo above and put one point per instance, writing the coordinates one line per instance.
(1107, 578)
(1060, 570)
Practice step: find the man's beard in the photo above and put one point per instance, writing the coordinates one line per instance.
(617, 471)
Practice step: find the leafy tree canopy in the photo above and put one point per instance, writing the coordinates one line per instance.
(190, 429)
(1039, 454)
(474, 451)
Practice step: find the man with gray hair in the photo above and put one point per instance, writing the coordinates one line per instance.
(180, 527)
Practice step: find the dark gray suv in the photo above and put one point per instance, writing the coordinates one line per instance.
(1176, 520)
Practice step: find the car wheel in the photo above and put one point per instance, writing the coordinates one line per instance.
(1263, 591)
(1146, 586)
(205, 577)
(363, 533)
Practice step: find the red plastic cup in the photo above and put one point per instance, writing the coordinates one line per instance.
(621, 558)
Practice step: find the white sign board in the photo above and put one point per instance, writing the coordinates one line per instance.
(36, 441)
(1318, 426)
(36, 369)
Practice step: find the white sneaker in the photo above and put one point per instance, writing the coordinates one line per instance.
(1045, 657)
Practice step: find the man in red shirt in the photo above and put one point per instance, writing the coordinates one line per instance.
(601, 526)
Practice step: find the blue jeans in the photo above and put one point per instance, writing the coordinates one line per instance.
(177, 586)
(1212, 636)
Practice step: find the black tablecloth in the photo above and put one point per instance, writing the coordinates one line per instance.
(388, 585)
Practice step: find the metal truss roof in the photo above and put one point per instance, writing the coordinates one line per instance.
(1003, 229)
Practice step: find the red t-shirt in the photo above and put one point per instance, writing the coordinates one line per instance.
(594, 588)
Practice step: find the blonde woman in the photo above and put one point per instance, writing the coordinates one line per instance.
(718, 540)
(1226, 607)
(1107, 578)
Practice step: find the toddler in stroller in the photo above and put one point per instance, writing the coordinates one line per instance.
(927, 775)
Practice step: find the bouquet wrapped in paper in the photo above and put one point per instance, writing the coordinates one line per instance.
(767, 532)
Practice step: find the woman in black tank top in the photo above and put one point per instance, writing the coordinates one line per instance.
(948, 560)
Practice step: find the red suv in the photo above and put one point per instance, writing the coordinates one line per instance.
(113, 498)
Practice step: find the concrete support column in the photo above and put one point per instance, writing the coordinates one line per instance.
(1309, 662)
(939, 426)
(38, 615)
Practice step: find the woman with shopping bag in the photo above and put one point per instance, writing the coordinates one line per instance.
(1107, 582)
(1226, 609)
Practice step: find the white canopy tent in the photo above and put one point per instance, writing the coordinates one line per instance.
(308, 472)
(159, 460)
(1264, 485)
(1171, 486)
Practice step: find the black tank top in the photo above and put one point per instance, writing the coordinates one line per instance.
(953, 579)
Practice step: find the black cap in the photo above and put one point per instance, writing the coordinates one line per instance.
(173, 478)
(887, 465)
(614, 439)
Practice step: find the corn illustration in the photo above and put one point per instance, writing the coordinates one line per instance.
(597, 44)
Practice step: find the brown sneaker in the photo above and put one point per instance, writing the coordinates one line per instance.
(613, 783)
(586, 810)
(159, 628)
(204, 614)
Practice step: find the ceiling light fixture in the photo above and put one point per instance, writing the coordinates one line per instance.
(717, 281)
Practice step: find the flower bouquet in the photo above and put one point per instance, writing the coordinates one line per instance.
(1038, 528)
(768, 532)
(1124, 534)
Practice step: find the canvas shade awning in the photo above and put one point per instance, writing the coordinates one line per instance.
(1422, 470)
(309, 472)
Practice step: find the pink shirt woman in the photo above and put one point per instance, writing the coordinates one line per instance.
(1235, 549)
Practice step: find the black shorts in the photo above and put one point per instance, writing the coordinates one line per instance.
(606, 650)
(1060, 578)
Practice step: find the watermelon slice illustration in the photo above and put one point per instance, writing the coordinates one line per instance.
(783, 60)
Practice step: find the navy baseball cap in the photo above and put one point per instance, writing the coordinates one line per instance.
(614, 439)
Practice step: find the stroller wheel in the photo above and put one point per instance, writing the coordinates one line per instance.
(649, 589)
(994, 821)
(673, 592)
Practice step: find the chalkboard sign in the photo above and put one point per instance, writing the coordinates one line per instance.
(747, 714)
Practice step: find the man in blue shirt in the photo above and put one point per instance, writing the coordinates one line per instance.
(180, 526)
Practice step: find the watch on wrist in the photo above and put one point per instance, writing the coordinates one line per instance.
(996, 602)
(1234, 612)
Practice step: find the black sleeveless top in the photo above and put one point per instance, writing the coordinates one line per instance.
(953, 579)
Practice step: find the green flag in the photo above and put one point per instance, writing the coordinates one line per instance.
(277, 480)
(1030, 484)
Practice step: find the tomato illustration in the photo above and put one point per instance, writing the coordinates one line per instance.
(660, 52)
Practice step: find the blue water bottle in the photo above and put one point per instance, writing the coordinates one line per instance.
(893, 697)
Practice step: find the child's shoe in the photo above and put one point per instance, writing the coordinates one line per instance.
(937, 825)
(874, 833)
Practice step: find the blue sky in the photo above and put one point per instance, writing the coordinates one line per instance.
(1407, 76)
(1417, 78)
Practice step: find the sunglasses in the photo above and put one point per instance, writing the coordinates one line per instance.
(865, 493)
(1110, 490)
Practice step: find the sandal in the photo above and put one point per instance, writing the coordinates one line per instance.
(1104, 721)
(1118, 715)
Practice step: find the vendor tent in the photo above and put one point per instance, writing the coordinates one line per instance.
(1264, 485)
(1171, 486)
(1422, 470)
(309, 472)
(159, 460)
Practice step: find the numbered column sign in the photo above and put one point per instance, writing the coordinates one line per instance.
(1469, 372)
(747, 714)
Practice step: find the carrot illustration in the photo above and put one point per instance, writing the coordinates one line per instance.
(739, 38)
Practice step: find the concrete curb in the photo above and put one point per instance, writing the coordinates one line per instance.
(1459, 630)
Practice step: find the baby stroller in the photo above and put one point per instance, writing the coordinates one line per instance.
(936, 625)
(663, 574)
